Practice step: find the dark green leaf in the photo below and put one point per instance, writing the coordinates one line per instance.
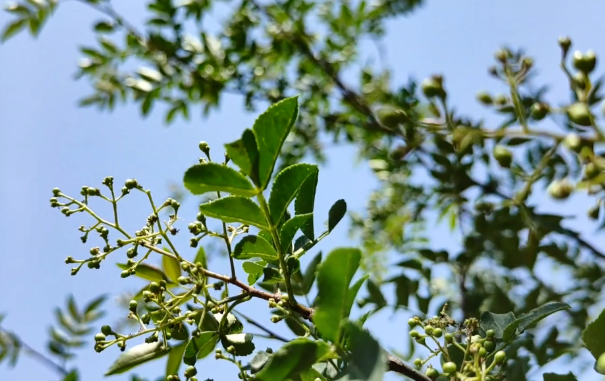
(200, 257)
(531, 318)
(286, 185)
(230, 326)
(337, 212)
(376, 296)
(12, 29)
(367, 361)
(305, 203)
(244, 153)
(497, 322)
(593, 336)
(200, 347)
(148, 272)
(175, 358)
(292, 358)
(171, 267)
(211, 177)
(310, 273)
(242, 342)
(271, 129)
(94, 304)
(104, 27)
(210, 323)
(72, 376)
(252, 246)
(272, 275)
(335, 275)
(411, 264)
(559, 377)
(352, 294)
(289, 229)
(135, 356)
(73, 309)
(236, 209)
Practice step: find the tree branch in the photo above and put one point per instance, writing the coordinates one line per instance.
(398, 366)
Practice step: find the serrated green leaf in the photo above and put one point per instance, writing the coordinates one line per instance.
(147, 272)
(171, 267)
(337, 212)
(252, 246)
(497, 322)
(200, 347)
(13, 28)
(294, 357)
(244, 153)
(290, 227)
(367, 361)
(593, 336)
(236, 209)
(531, 318)
(333, 279)
(286, 185)
(305, 203)
(212, 177)
(242, 342)
(137, 355)
(271, 129)
(175, 358)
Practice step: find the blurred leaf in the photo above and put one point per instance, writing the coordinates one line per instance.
(337, 212)
(93, 305)
(531, 318)
(335, 275)
(171, 267)
(147, 272)
(559, 377)
(212, 177)
(175, 358)
(593, 336)
(200, 257)
(310, 273)
(367, 361)
(292, 358)
(137, 355)
(13, 28)
(236, 209)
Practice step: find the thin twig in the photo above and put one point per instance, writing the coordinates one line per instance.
(271, 334)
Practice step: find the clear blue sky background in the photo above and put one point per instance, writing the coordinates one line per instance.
(46, 141)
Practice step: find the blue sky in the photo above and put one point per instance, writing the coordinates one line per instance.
(46, 141)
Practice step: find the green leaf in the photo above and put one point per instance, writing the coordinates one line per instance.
(310, 273)
(531, 318)
(175, 358)
(211, 177)
(253, 246)
(290, 227)
(73, 309)
(244, 153)
(171, 267)
(271, 129)
(104, 27)
(200, 257)
(13, 28)
(353, 292)
(376, 296)
(497, 322)
(236, 209)
(257, 363)
(200, 347)
(137, 355)
(286, 185)
(337, 212)
(335, 275)
(272, 275)
(231, 325)
(210, 323)
(72, 376)
(593, 336)
(254, 271)
(367, 361)
(147, 272)
(294, 357)
(305, 203)
(94, 304)
(242, 342)
(559, 377)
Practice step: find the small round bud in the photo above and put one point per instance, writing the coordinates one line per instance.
(131, 184)
(414, 334)
(190, 372)
(69, 260)
(391, 117)
(437, 332)
(573, 141)
(565, 44)
(99, 337)
(428, 329)
(432, 88)
(56, 191)
(585, 62)
(560, 189)
(163, 283)
(579, 113)
(418, 363)
(132, 306)
(106, 330)
(591, 171)
(593, 213)
(412, 322)
(184, 280)
(449, 338)
(489, 345)
(501, 55)
(449, 367)
(231, 349)
(154, 287)
(499, 357)
(539, 111)
(503, 156)
(204, 147)
(92, 191)
(485, 98)
(275, 319)
(431, 373)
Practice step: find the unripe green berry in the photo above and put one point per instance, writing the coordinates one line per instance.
(412, 322)
(482, 352)
(154, 287)
(499, 357)
(431, 373)
(594, 212)
(56, 191)
(564, 43)
(418, 363)
(432, 88)
(437, 332)
(275, 319)
(579, 113)
(91, 191)
(414, 334)
(99, 337)
(231, 349)
(184, 280)
(132, 306)
(485, 98)
(489, 345)
(131, 184)
(584, 62)
(106, 330)
(560, 189)
(539, 111)
(449, 367)
(204, 147)
(163, 283)
(449, 338)
(428, 329)
(600, 365)
(503, 156)
(190, 372)
(573, 141)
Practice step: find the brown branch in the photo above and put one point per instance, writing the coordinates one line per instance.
(304, 311)
(398, 366)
